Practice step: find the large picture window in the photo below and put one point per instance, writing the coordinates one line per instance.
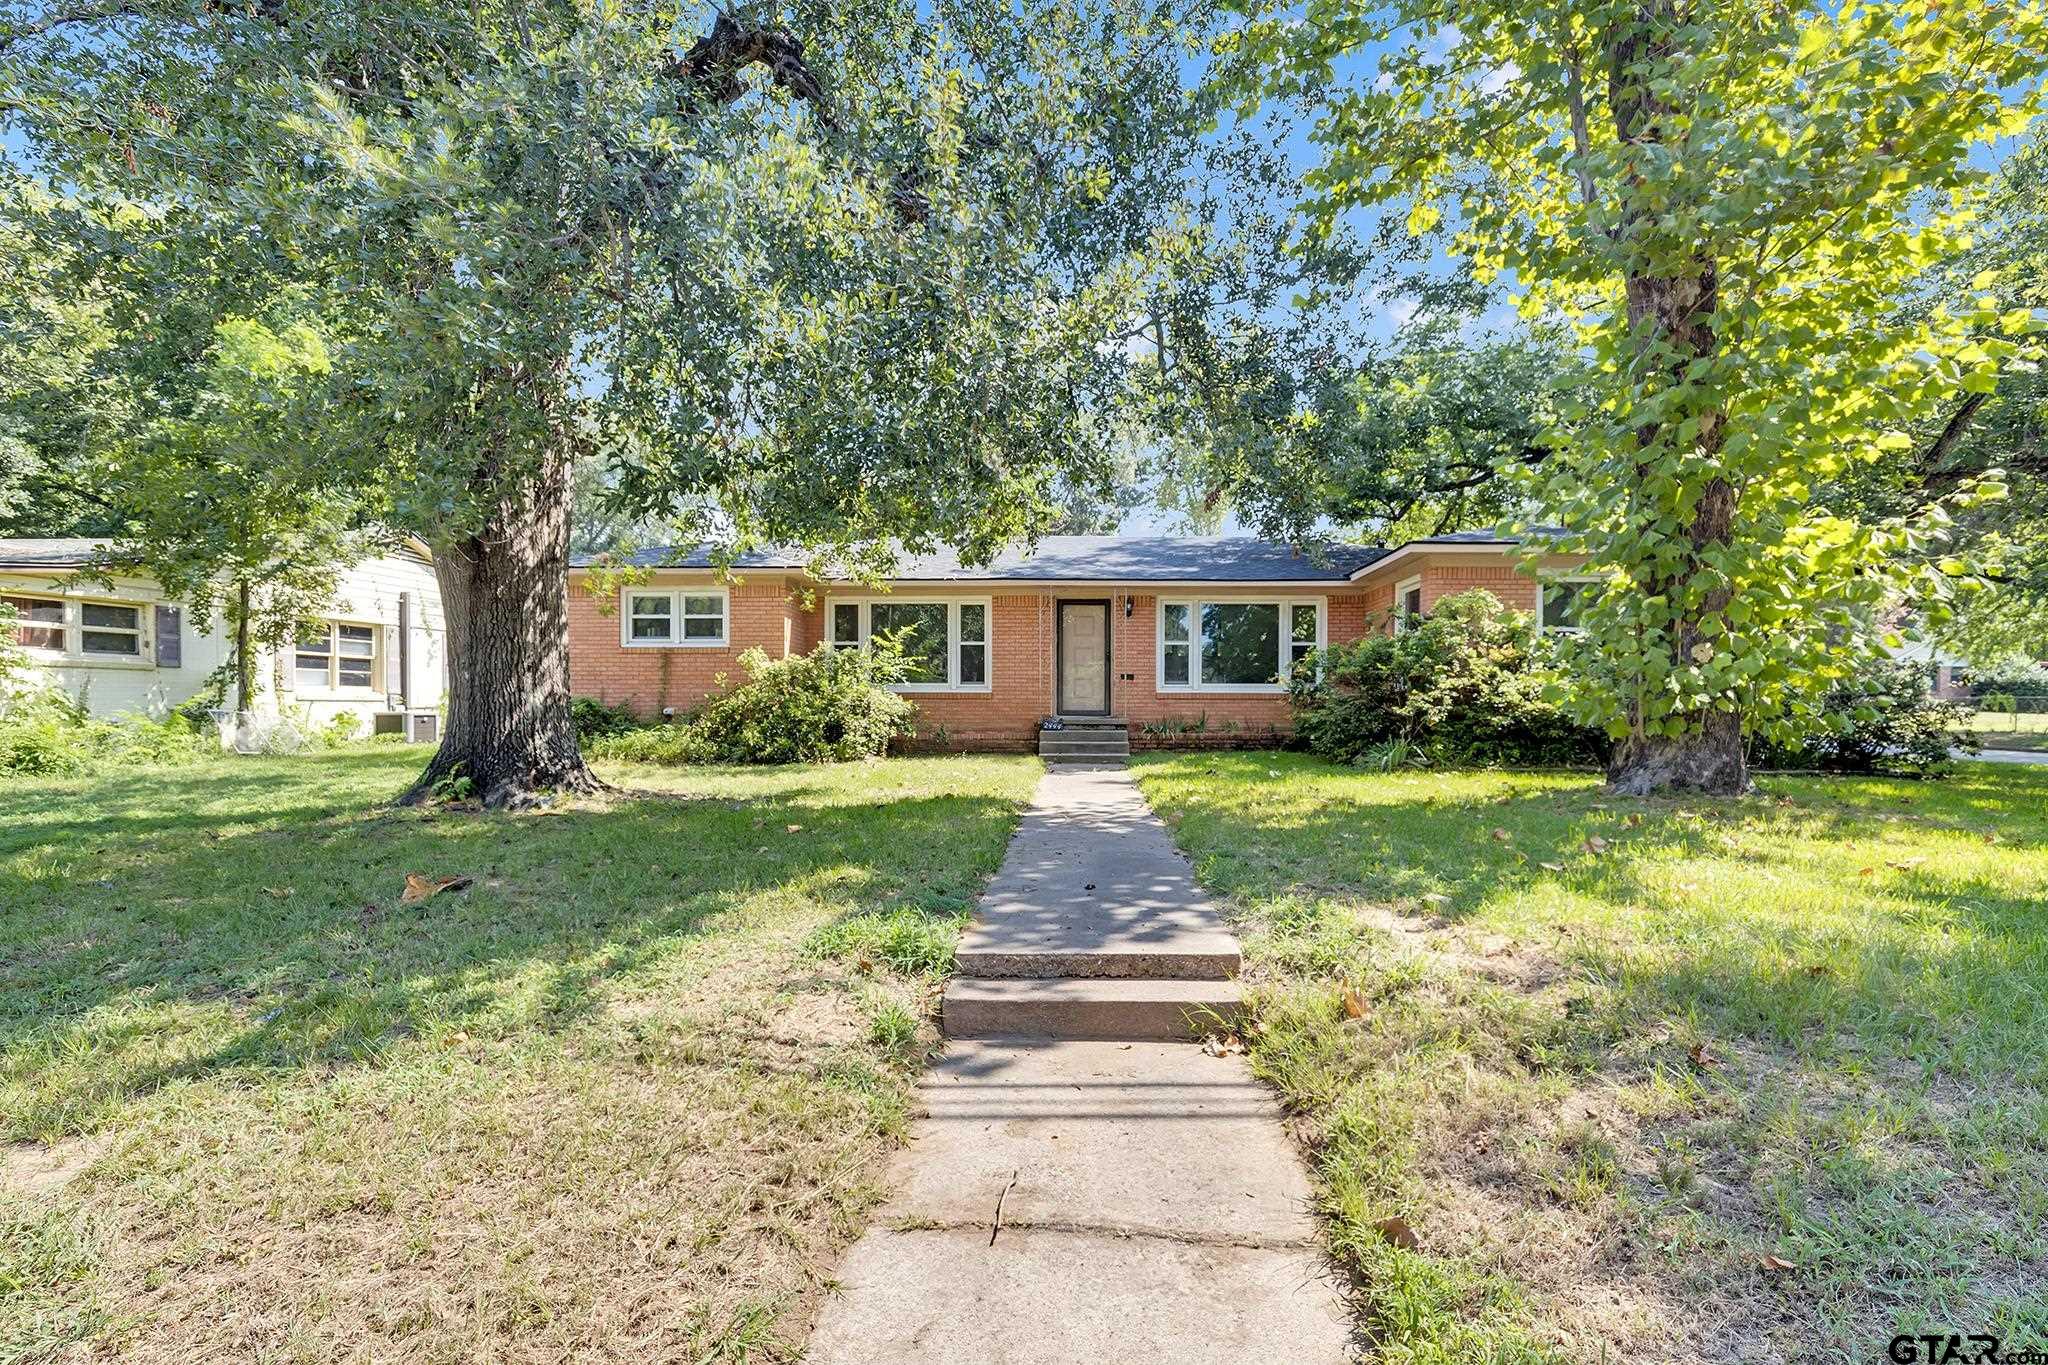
(1248, 646)
(672, 617)
(945, 640)
(82, 630)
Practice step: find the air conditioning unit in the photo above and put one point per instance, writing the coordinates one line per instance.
(423, 727)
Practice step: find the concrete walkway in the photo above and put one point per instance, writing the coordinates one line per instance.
(1066, 1199)
(2011, 756)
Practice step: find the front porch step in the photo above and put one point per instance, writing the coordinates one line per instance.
(1085, 742)
(1215, 960)
(1100, 1009)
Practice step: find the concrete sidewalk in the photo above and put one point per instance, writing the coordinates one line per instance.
(1065, 1199)
(1068, 1201)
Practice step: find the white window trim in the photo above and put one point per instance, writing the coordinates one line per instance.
(952, 605)
(1401, 590)
(1543, 588)
(334, 688)
(73, 653)
(675, 598)
(1283, 664)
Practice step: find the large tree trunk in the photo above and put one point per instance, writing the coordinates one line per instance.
(505, 593)
(1671, 314)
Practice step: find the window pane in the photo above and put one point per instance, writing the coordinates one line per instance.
(1561, 605)
(357, 642)
(1411, 601)
(1240, 642)
(1297, 652)
(1175, 615)
(709, 604)
(310, 670)
(111, 642)
(1305, 625)
(974, 622)
(1176, 663)
(315, 644)
(973, 662)
(845, 623)
(118, 618)
(703, 628)
(919, 629)
(39, 621)
(354, 672)
(650, 628)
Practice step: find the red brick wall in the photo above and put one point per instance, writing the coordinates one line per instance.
(762, 614)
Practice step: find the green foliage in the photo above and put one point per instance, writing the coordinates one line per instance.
(1730, 205)
(911, 939)
(1465, 684)
(645, 744)
(595, 719)
(1883, 721)
(825, 706)
(47, 735)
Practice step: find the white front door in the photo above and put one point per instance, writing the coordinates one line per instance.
(1084, 658)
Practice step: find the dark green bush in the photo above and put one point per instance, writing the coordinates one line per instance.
(48, 735)
(595, 719)
(1885, 721)
(1461, 685)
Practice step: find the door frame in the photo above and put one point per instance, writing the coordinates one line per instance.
(1059, 672)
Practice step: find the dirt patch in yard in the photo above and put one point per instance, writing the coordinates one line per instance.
(30, 1169)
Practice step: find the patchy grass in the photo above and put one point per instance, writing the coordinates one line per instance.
(1660, 1080)
(624, 1098)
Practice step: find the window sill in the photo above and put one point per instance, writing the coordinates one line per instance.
(339, 694)
(1222, 689)
(50, 660)
(675, 644)
(968, 688)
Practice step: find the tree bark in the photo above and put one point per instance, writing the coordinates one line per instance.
(245, 667)
(505, 594)
(1672, 313)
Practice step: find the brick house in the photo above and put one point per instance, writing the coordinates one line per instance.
(1172, 639)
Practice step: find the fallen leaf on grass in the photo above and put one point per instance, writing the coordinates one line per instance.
(420, 887)
(1551, 867)
(1865, 871)
(1501, 835)
(280, 892)
(1354, 1004)
(456, 1038)
(791, 829)
(1702, 1058)
(1595, 845)
(1991, 838)
(1397, 1232)
(1436, 898)
(1687, 888)
(1771, 1262)
(1226, 1045)
(1633, 820)
(1905, 864)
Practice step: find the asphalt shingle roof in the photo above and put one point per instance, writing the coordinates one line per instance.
(1124, 559)
(68, 553)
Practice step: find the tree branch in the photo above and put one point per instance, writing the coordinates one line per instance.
(84, 14)
(1944, 445)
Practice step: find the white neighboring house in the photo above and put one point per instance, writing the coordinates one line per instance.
(380, 653)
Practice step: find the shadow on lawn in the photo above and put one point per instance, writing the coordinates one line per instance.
(197, 922)
(1941, 964)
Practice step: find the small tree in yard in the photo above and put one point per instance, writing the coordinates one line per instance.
(835, 274)
(1731, 201)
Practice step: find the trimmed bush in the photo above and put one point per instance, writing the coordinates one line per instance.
(1884, 722)
(649, 744)
(1464, 684)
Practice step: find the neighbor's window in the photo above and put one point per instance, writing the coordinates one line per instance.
(1234, 645)
(677, 616)
(945, 642)
(39, 621)
(1561, 600)
(1407, 602)
(105, 628)
(336, 654)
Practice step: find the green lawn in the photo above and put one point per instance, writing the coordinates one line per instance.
(2004, 730)
(1669, 1080)
(624, 1098)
